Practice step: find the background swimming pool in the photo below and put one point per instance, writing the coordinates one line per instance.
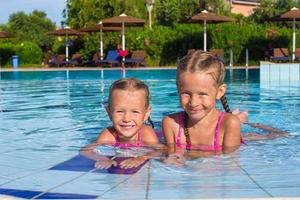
(46, 117)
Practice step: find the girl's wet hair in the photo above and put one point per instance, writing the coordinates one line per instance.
(133, 85)
(200, 61)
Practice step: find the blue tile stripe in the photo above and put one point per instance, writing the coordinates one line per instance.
(28, 194)
(84, 164)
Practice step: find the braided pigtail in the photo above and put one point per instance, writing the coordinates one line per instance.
(151, 122)
(225, 104)
(186, 130)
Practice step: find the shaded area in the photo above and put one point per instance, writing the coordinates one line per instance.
(182, 45)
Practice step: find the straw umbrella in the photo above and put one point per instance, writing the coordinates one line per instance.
(100, 28)
(123, 20)
(67, 31)
(291, 15)
(207, 17)
(4, 34)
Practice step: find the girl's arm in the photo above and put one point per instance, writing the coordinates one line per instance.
(149, 138)
(232, 133)
(266, 128)
(137, 161)
(105, 137)
(170, 127)
(272, 133)
(168, 124)
(103, 162)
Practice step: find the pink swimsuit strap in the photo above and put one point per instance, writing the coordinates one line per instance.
(138, 144)
(214, 147)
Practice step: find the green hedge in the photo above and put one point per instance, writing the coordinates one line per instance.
(28, 52)
(7, 50)
(165, 45)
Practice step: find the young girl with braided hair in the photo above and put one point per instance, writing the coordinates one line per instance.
(201, 126)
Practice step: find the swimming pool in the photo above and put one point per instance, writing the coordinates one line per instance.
(46, 117)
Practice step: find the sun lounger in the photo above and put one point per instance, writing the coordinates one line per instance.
(112, 59)
(94, 61)
(280, 54)
(59, 61)
(297, 54)
(76, 60)
(137, 59)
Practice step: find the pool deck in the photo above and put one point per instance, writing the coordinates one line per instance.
(278, 75)
(101, 68)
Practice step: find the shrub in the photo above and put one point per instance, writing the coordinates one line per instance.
(29, 53)
(7, 50)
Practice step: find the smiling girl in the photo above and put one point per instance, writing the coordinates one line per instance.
(128, 108)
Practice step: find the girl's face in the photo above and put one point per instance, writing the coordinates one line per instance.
(198, 93)
(128, 112)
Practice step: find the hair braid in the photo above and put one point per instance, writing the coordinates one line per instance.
(186, 130)
(225, 104)
(151, 122)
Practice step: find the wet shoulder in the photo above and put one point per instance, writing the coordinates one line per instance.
(171, 119)
(147, 129)
(148, 135)
(106, 135)
(230, 121)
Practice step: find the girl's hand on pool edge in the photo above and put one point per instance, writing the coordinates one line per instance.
(174, 159)
(133, 162)
(105, 164)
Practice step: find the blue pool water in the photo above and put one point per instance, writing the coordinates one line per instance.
(46, 117)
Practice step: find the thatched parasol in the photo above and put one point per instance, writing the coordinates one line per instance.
(4, 34)
(123, 20)
(291, 15)
(67, 31)
(207, 17)
(100, 28)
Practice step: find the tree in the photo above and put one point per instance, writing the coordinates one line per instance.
(32, 27)
(86, 12)
(170, 11)
(271, 8)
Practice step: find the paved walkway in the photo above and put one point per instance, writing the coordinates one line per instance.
(101, 68)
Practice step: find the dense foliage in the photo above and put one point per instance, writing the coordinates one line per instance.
(32, 27)
(268, 9)
(27, 52)
(165, 45)
(86, 12)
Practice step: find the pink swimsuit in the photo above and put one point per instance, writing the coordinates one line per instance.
(138, 144)
(214, 147)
